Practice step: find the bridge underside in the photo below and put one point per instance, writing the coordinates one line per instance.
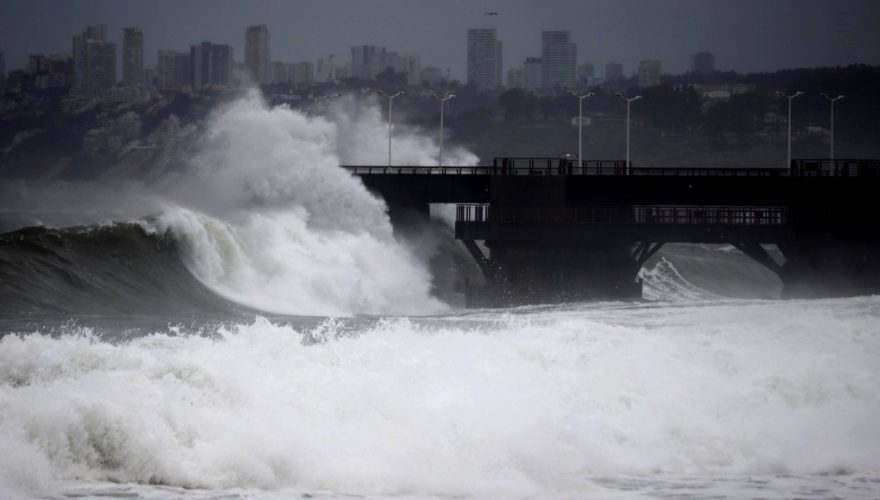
(551, 231)
(541, 255)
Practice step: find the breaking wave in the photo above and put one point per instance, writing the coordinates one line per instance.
(489, 405)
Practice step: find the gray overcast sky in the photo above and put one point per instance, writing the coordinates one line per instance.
(744, 35)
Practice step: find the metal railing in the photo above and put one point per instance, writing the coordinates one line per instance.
(566, 166)
(835, 168)
(639, 214)
(410, 170)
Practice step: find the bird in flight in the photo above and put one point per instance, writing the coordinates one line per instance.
(493, 13)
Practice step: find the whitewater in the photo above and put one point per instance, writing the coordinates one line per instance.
(249, 326)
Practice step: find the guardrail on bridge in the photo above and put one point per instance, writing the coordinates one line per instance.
(640, 214)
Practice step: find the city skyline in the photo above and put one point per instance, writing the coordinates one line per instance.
(776, 35)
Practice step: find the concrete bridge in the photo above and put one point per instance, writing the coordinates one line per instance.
(563, 230)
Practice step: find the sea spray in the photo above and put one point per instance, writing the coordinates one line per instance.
(299, 235)
(265, 216)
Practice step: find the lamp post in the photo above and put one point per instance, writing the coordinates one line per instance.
(832, 100)
(390, 101)
(629, 101)
(317, 98)
(442, 105)
(790, 97)
(580, 99)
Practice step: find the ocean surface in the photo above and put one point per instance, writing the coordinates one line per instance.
(248, 326)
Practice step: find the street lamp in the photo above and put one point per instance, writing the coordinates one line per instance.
(832, 100)
(580, 99)
(442, 105)
(790, 97)
(390, 100)
(629, 101)
(317, 98)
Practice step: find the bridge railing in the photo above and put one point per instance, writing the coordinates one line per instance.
(820, 167)
(640, 214)
(566, 166)
(412, 170)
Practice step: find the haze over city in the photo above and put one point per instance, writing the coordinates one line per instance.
(744, 36)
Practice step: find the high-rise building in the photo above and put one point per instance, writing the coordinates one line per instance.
(586, 73)
(703, 63)
(613, 72)
(94, 62)
(256, 52)
(485, 58)
(2, 70)
(532, 74)
(649, 73)
(559, 60)
(514, 78)
(132, 56)
(211, 65)
(174, 70)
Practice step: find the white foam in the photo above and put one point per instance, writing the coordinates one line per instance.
(507, 405)
(273, 222)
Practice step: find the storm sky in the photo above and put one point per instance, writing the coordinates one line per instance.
(744, 35)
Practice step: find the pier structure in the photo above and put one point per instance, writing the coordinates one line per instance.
(555, 229)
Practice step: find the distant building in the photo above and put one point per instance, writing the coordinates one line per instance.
(613, 72)
(256, 52)
(514, 78)
(278, 72)
(52, 71)
(2, 70)
(325, 70)
(532, 70)
(36, 63)
(722, 92)
(174, 70)
(211, 65)
(301, 73)
(132, 56)
(94, 62)
(649, 73)
(413, 68)
(703, 63)
(367, 61)
(484, 58)
(586, 73)
(432, 75)
(559, 60)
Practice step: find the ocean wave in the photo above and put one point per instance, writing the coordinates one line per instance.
(505, 405)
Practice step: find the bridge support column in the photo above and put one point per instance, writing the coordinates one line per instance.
(826, 271)
(552, 273)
